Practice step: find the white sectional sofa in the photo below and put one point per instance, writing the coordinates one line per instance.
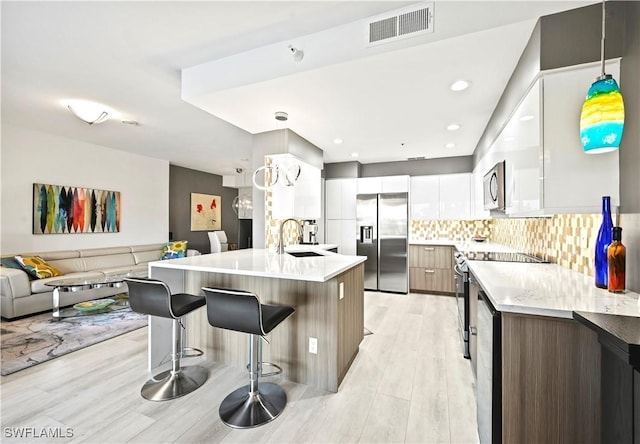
(21, 296)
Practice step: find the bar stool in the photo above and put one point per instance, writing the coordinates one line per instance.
(253, 404)
(153, 297)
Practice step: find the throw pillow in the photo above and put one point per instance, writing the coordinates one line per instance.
(174, 250)
(9, 262)
(37, 267)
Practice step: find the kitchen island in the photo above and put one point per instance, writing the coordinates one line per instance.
(327, 292)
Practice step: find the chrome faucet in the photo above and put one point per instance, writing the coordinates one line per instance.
(281, 240)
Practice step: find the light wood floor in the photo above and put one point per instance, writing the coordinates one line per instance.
(409, 383)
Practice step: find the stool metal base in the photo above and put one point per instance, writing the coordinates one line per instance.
(170, 385)
(243, 410)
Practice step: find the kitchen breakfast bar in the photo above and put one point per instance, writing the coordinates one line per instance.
(327, 292)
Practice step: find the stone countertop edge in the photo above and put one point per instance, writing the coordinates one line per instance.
(259, 262)
(615, 331)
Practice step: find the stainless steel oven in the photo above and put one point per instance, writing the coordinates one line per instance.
(462, 300)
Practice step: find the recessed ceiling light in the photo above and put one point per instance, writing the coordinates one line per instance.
(450, 145)
(460, 85)
(354, 154)
(337, 141)
(526, 118)
(453, 127)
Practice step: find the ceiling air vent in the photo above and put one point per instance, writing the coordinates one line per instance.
(401, 24)
(416, 158)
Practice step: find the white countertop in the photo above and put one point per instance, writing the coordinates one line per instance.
(548, 290)
(256, 262)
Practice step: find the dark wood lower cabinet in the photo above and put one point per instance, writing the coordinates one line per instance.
(550, 381)
(619, 338)
(617, 399)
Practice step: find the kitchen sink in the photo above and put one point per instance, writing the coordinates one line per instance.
(304, 253)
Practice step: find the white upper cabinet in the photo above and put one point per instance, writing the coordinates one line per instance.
(369, 185)
(425, 197)
(445, 196)
(455, 196)
(395, 184)
(574, 181)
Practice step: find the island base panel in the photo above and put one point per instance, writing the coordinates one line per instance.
(338, 324)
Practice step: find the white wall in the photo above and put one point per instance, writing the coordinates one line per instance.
(29, 157)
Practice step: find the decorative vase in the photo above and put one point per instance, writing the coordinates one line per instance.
(617, 257)
(602, 244)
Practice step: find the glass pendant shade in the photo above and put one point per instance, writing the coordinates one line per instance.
(602, 117)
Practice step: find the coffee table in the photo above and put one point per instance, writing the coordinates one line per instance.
(75, 284)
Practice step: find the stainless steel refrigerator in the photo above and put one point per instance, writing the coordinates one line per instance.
(382, 238)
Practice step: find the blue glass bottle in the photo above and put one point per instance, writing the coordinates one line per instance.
(602, 244)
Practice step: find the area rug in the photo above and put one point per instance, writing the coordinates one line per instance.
(36, 339)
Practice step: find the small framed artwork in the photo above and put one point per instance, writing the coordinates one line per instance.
(205, 212)
(67, 210)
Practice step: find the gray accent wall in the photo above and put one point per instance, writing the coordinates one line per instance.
(340, 170)
(573, 37)
(183, 182)
(424, 167)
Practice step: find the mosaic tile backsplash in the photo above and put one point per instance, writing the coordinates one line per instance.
(567, 239)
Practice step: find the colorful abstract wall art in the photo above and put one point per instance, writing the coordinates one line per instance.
(67, 210)
(205, 212)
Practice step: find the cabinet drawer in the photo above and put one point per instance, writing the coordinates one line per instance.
(431, 279)
(431, 256)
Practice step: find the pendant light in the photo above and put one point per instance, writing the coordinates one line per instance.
(602, 117)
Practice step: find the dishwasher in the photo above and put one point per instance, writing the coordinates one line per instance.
(489, 371)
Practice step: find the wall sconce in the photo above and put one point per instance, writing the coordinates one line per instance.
(87, 111)
(602, 116)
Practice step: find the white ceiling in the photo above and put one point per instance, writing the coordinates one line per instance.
(129, 56)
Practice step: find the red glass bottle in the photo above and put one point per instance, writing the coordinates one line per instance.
(616, 258)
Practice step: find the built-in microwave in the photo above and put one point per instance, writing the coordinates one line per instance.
(493, 186)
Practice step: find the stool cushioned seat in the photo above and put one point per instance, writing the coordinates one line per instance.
(153, 297)
(241, 311)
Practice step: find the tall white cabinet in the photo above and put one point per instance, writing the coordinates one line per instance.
(340, 214)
